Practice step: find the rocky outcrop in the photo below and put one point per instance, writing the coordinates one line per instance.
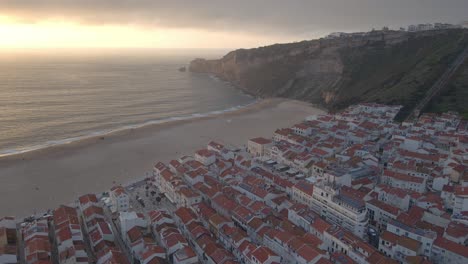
(336, 72)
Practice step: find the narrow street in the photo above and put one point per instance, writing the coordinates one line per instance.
(117, 235)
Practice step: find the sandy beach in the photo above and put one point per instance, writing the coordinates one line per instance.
(43, 179)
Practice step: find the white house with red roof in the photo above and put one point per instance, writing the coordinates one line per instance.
(404, 181)
(160, 217)
(257, 146)
(307, 255)
(303, 161)
(264, 255)
(282, 134)
(394, 196)
(37, 246)
(215, 146)
(134, 240)
(205, 156)
(152, 255)
(119, 198)
(401, 227)
(87, 200)
(380, 213)
(185, 255)
(111, 255)
(342, 206)
(460, 204)
(302, 192)
(302, 129)
(100, 235)
(128, 220)
(398, 247)
(195, 176)
(187, 197)
(172, 240)
(339, 240)
(457, 232)
(68, 236)
(302, 216)
(447, 194)
(446, 251)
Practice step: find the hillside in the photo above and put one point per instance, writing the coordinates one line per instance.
(389, 67)
(455, 98)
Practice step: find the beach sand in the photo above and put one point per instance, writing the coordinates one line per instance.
(35, 181)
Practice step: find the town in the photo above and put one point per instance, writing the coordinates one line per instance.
(349, 187)
(410, 28)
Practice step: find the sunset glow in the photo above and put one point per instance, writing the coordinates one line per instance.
(64, 34)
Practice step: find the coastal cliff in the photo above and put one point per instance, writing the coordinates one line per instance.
(393, 67)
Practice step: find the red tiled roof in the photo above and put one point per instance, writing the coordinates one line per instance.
(185, 253)
(305, 187)
(216, 145)
(410, 218)
(320, 225)
(403, 177)
(118, 190)
(205, 153)
(93, 210)
(65, 214)
(261, 140)
(384, 206)
(457, 230)
(224, 202)
(308, 253)
(461, 191)
(262, 254)
(134, 234)
(88, 198)
(451, 246)
(185, 215)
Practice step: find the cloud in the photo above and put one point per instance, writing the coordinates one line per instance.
(294, 17)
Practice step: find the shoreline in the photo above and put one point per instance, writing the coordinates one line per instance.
(110, 132)
(43, 179)
(83, 141)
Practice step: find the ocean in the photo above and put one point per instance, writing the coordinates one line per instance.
(48, 99)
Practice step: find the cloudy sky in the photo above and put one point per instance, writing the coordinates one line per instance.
(205, 23)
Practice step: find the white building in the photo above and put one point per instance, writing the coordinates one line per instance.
(380, 213)
(340, 209)
(205, 156)
(393, 196)
(128, 220)
(120, 201)
(461, 200)
(425, 237)
(342, 241)
(400, 180)
(302, 192)
(446, 251)
(257, 146)
(398, 247)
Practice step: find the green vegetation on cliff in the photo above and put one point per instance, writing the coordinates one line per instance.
(391, 67)
(455, 98)
(400, 74)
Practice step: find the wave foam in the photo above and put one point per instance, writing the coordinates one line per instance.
(51, 143)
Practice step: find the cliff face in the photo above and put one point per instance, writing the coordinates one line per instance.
(387, 67)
